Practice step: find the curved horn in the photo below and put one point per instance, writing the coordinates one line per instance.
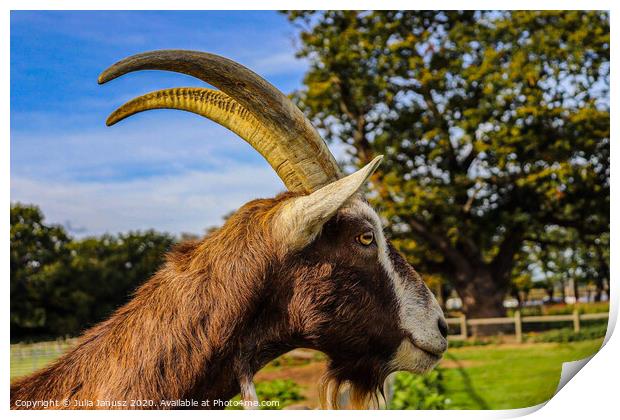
(220, 108)
(311, 163)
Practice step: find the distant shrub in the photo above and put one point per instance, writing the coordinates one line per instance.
(583, 308)
(527, 311)
(567, 335)
(562, 309)
(283, 390)
(419, 392)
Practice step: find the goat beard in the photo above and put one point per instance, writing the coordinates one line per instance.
(361, 396)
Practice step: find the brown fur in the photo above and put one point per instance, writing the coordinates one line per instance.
(220, 309)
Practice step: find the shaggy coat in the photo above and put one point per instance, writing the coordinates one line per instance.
(221, 308)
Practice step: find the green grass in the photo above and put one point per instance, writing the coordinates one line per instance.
(26, 358)
(24, 366)
(503, 377)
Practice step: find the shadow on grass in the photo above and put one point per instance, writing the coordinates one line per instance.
(469, 388)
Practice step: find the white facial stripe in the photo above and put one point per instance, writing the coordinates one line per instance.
(418, 314)
(363, 209)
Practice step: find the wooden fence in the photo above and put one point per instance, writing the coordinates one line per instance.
(517, 320)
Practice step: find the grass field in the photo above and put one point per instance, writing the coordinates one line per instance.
(508, 376)
(26, 358)
(478, 377)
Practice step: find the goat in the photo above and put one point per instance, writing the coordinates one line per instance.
(309, 268)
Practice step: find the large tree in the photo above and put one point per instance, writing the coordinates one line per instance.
(39, 255)
(60, 286)
(495, 127)
(103, 273)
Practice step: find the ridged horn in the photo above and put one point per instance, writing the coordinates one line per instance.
(220, 108)
(289, 142)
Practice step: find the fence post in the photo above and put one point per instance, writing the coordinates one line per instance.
(463, 327)
(518, 326)
(576, 320)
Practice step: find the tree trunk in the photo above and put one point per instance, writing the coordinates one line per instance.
(599, 289)
(482, 286)
(550, 292)
(603, 274)
(445, 295)
(576, 290)
(482, 296)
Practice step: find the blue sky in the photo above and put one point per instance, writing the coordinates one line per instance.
(167, 170)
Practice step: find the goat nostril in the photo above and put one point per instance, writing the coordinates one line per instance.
(443, 327)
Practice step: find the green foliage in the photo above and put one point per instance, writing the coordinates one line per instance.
(105, 270)
(526, 311)
(495, 128)
(285, 391)
(39, 255)
(60, 286)
(563, 309)
(415, 392)
(590, 308)
(568, 335)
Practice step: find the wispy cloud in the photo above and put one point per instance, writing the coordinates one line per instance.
(187, 202)
(283, 62)
(166, 170)
(171, 145)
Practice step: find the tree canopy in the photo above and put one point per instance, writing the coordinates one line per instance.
(60, 285)
(495, 128)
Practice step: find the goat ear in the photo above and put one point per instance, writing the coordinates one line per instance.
(303, 217)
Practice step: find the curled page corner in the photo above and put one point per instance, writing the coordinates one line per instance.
(522, 412)
(570, 369)
(611, 324)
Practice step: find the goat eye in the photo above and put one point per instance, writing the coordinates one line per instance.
(365, 238)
